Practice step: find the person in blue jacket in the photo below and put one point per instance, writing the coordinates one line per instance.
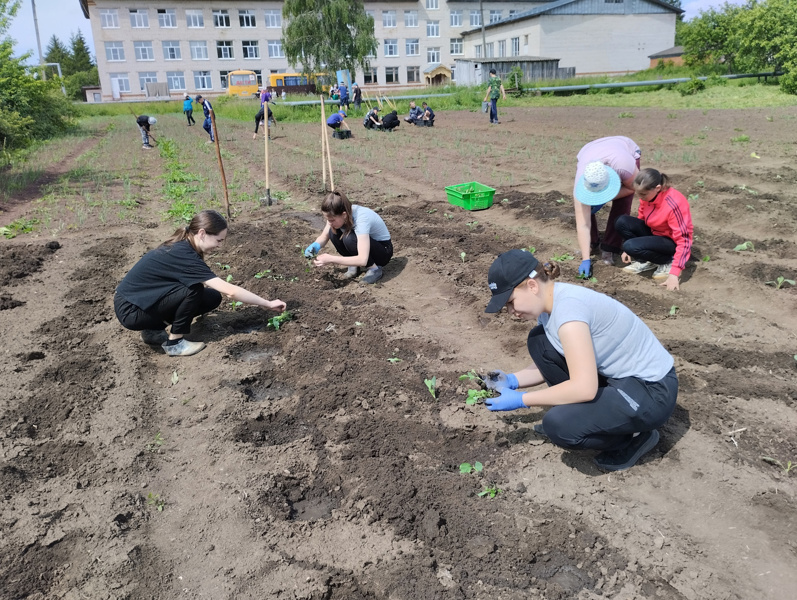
(208, 124)
(344, 95)
(338, 119)
(188, 110)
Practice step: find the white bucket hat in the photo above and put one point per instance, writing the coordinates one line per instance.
(598, 185)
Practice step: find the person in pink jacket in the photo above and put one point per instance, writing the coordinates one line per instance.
(660, 237)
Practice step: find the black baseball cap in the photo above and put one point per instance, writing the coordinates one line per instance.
(508, 271)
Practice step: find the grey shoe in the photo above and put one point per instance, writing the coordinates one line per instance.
(373, 275)
(638, 267)
(662, 272)
(539, 430)
(625, 458)
(183, 348)
(351, 273)
(154, 337)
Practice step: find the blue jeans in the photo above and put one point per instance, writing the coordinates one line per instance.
(144, 136)
(493, 110)
(208, 126)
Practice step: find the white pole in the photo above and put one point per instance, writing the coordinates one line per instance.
(38, 39)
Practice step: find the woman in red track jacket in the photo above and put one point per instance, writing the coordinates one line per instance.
(660, 237)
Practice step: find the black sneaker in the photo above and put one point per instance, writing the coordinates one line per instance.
(619, 460)
(538, 429)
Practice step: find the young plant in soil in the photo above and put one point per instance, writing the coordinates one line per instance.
(466, 468)
(744, 246)
(462, 256)
(562, 257)
(780, 281)
(774, 461)
(235, 305)
(673, 310)
(490, 492)
(276, 322)
(155, 445)
(156, 501)
(431, 385)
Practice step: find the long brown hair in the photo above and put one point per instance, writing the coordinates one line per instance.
(647, 179)
(336, 203)
(209, 220)
(549, 271)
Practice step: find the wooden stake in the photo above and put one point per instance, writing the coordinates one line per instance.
(329, 159)
(268, 184)
(221, 164)
(323, 141)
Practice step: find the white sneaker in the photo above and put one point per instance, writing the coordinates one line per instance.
(183, 348)
(351, 273)
(639, 267)
(662, 272)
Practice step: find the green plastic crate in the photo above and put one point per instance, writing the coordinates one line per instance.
(470, 196)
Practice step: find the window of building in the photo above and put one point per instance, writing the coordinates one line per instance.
(433, 55)
(413, 47)
(223, 78)
(199, 50)
(109, 18)
(114, 51)
(495, 16)
(413, 74)
(167, 17)
(388, 18)
(456, 45)
(369, 76)
(221, 18)
(139, 19)
(122, 81)
(202, 80)
(453, 72)
(432, 4)
(456, 18)
(259, 75)
(490, 47)
(613, 1)
(512, 13)
(391, 48)
(273, 18)
(475, 18)
(147, 77)
(251, 49)
(275, 49)
(391, 74)
(194, 19)
(171, 50)
(477, 50)
(246, 18)
(175, 80)
(432, 28)
(410, 18)
(501, 48)
(143, 51)
(515, 46)
(224, 50)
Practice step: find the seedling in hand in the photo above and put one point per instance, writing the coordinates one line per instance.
(466, 468)
(276, 322)
(431, 385)
(780, 282)
(471, 376)
(743, 247)
(490, 492)
(477, 396)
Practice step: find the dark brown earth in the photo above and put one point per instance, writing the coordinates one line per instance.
(312, 462)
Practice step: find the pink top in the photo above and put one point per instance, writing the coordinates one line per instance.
(618, 152)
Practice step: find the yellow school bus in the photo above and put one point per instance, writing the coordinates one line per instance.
(293, 83)
(242, 83)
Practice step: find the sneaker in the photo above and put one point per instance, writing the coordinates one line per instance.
(351, 273)
(147, 147)
(662, 272)
(183, 348)
(625, 458)
(637, 267)
(210, 142)
(154, 337)
(607, 257)
(539, 430)
(373, 275)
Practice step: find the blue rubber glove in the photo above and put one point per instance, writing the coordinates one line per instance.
(498, 380)
(585, 268)
(312, 250)
(508, 400)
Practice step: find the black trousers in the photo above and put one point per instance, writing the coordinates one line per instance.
(621, 407)
(178, 308)
(379, 254)
(189, 115)
(640, 242)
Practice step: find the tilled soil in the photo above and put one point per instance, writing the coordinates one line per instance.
(313, 462)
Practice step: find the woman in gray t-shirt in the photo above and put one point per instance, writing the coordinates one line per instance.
(358, 234)
(611, 382)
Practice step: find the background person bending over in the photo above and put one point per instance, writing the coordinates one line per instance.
(259, 120)
(660, 237)
(390, 121)
(358, 234)
(172, 284)
(611, 384)
(336, 120)
(144, 122)
(596, 186)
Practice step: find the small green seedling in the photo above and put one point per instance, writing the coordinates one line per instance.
(754, 155)
(693, 197)
(223, 267)
(284, 222)
(462, 256)
(175, 378)
(490, 492)
(625, 115)
(774, 461)
(477, 397)
(706, 258)
(561, 201)
(276, 322)
(673, 310)
(590, 278)
(431, 385)
(156, 443)
(471, 376)
(780, 282)
(447, 216)
(531, 249)
(505, 200)
(261, 274)
(229, 278)
(235, 305)
(472, 225)
(466, 468)
(744, 247)
(741, 139)
(431, 211)
(562, 257)
(393, 360)
(156, 501)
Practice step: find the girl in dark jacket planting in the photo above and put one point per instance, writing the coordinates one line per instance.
(172, 284)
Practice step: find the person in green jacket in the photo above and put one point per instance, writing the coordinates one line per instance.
(495, 89)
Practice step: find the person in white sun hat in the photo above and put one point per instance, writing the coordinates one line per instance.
(605, 173)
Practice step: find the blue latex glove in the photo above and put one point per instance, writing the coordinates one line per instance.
(498, 380)
(508, 400)
(585, 268)
(312, 250)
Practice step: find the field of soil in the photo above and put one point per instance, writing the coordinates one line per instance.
(312, 462)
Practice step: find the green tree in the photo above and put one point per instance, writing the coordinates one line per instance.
(713, 37)
(74, 83)
(328, 35)
(768, 39)
(56, 52)
(79, 56)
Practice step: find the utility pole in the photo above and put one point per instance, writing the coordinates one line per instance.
(38, 40)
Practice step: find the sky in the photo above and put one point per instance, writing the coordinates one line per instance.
(64, 17)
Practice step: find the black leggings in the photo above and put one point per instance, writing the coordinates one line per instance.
(641, 243)
(189, 114)
(178, 308)
(621, 407)
(379, 254)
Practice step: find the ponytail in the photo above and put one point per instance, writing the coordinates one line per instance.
(209, 220)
